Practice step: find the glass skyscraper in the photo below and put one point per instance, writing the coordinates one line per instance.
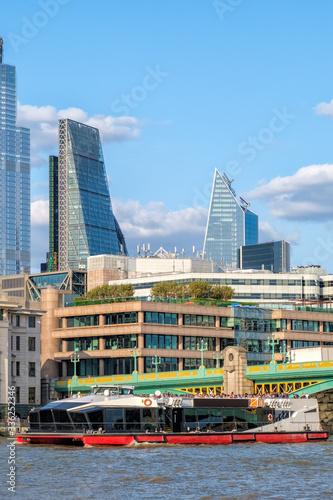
(52, 256)
(87, 225)
(273, 256)
(14, 179)
(230, 224)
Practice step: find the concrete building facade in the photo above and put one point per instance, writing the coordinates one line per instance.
(116, 338)
(20, 348)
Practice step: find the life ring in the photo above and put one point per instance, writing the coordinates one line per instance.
(147, 402)
(270, 417)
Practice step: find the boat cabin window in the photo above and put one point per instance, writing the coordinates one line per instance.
(114, 419)
(149, 419)
(46, 420)
(79, 420)
(126, 391)
(34, 420)
(62, 420)
(95, 418)
(133, 419)
(224, 419)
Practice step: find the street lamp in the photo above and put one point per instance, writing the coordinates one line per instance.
(75, 358)
(202, 347)
(272, 343)
(135, 353)
(156, 361)
(217, 356)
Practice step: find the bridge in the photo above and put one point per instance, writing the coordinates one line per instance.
(290, 377)
(295, 378)
(312, 379)
(202, 380)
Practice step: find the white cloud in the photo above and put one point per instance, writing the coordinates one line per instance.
(324, 108)
(40, 213)
(43, 123)
(269, 233)
(155, 221)
(140, 224)
(305, 195)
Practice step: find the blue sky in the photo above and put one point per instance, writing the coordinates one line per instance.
(178, 89)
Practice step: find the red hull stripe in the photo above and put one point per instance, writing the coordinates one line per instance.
(281, 438)
(111, 440)
(170, 438)
(198, 438)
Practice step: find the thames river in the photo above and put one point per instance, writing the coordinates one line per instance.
(242, 471)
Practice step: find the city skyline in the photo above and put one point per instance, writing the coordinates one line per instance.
(177, 91)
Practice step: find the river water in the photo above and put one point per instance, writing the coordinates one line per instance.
(242, 472)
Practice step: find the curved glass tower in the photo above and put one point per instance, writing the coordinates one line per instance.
(14, 179)
(87, 225)
(230, 224)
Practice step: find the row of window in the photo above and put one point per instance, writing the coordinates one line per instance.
(120, 318)
(161, 341)
(171, 342)
(242, 324)
(250, 324)
(272, 325)
(77, 321)
(150, 342)
(109, 319)
(17, 341)
(161, 318)
(308, 326)
(328, 326)
(151, 317)
(303, 343)
(195, 343)
(117, 366)
(17, 321)
(16, 369)
(198, 320)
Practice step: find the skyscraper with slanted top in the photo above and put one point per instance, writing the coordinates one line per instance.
(230, 224)
(14, 179)
(86, 222)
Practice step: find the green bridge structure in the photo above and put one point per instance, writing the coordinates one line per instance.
(296, 378)
(309, 379)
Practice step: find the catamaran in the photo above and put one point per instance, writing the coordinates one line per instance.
(114, 415)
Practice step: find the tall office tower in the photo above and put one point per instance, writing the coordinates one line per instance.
(87, 225)
(52, 256)
(14, 179)
(230, 224)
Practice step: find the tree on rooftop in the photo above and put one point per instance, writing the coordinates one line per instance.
(199, 289)
(111, 291)
(168, 289)
(223, 292)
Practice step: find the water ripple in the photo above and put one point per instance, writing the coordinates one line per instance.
(239, 472)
